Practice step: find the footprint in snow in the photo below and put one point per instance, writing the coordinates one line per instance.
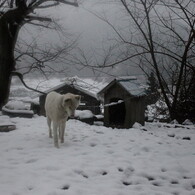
(174, 182)
(104, 173)
(186, 138)
(175, 193)
(156, 183)
(127, 183)
(109, 151)
(65, 187)
(163, 170)
(186, 177)
(31, 161)
(30, 188)
(120, 169)
(171, 135)
(93, 144)
(19, 148)
(99, 132)
(145, 149)
(128, 171)
(150, 178)
(80, 172)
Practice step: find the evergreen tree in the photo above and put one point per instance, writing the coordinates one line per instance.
(152, 91)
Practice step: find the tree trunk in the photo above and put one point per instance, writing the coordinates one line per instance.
(10, 23)
(7, 62)
(5, 81)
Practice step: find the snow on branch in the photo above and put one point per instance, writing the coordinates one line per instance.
(114, 103)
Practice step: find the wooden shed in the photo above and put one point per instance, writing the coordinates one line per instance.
(124, 103)
(89, 101)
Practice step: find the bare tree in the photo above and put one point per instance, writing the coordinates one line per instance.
(34, 57)
(13, 15)
(169, 37)
(161, 39)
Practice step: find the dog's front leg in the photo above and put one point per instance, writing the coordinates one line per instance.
(49, 125)
(62, 129)
(55, 134)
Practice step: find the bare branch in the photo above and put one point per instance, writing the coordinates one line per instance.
(20, 76)
(42, 19)
(2, 2)
(39, 4)
(48, 6)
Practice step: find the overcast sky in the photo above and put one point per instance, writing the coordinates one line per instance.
(93, 33)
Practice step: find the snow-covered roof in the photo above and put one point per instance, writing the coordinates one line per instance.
(133, 87)
(130, 84)
(74, 86)
(87, 86)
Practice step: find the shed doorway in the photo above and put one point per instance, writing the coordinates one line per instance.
(117, 113)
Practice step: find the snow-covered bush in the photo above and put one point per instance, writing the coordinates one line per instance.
(158, 111)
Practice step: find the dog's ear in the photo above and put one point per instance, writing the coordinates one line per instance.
(78, 97)
(67, 100)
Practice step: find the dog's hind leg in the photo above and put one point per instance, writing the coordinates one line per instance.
(55, 134)
(49, 125)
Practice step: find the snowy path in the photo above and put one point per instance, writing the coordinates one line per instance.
(97, 160)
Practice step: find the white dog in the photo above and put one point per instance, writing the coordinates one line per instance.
(58, 108)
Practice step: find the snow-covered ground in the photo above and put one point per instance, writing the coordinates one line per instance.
(97, 160)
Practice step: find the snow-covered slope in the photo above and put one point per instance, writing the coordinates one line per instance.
(97, 160)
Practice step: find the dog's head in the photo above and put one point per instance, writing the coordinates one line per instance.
(70, 103)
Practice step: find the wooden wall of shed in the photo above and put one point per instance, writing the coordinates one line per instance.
(42, 104)
(91, 103)
(135, 106)
(135, 111)
(113, 92)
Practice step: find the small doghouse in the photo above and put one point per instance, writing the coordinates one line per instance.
(124, 103)
(88, 100)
